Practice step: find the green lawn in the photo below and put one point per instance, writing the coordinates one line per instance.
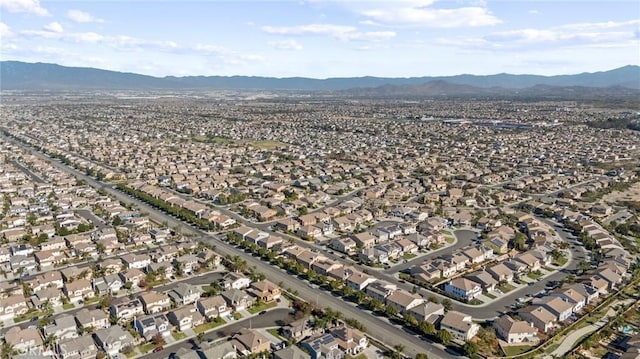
(275, 333)
(147, 347)
(258, 308)
(237, 316)
(506, 288)
(534, 275)
(490, 295)
(208, 326)
(561, 261)
(515, 350)
(449, 239)
(178, 335)
(68, 306)
(409, 256)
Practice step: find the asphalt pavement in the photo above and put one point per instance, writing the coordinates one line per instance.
(272, 318)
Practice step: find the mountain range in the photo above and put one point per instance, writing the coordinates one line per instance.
(15, 75)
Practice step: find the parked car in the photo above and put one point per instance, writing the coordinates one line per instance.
(158, 349)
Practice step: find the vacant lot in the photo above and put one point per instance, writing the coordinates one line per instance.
(631, 194)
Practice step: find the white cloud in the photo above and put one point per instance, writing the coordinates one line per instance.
(28, 6)
(534, 12)
(429, 17)
(605, 34)
(81, 16)
(54, 27)
(340, 32)
(5, 31)
(286, 44)
(227, 56)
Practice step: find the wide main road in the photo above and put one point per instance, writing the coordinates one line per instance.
(376, 327)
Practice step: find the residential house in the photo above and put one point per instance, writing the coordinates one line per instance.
(529, 260)
(501, 272)
(250, 341)
(44, 280)
(27, 341)
(265, 290)
(62, 328)
(217, 350)
(186, 317)
(237, 299)
(539, 316)
(134, 276)
(571, 295)
(364, 239)
(343, 244)
(113, 339)
(154, 302)
(463, 288)
(12, 306)
(559, 307)
(427, 311)
(134, 260)
(291, 352)
(77, 348)
(486, 281)
(213, 307)
(359, 280)
(403, 301)
(150, 325)
(460, 325)
(323, 346)
(235, 280)
(298, 329)
(78, 290)
(515, 331)
(188, 262)
(184, 293)
(126, 309)
(351, 341)
(92, 318)
(109, 284)
(380, 290)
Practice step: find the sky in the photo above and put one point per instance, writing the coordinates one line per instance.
(321, 38)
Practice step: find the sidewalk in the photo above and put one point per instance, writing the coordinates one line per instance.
(571, 340)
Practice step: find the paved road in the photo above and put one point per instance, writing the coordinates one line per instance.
(464, 238)
(28, 172)
(89, 216)
(376, 327)
(273, 318)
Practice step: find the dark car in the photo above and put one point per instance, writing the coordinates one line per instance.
(262, 312)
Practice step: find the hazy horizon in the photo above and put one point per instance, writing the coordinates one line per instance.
(324, 39)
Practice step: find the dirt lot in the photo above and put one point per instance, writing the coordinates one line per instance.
(632, 194)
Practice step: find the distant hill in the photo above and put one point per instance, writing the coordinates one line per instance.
(15, 75)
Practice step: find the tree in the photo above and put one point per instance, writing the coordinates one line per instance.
(583, 266)
(447, 304)
(390, 311)
(8, 351)
(520, 241)
(397, 351)
(444, 336)
(427, 328)
(421, 356)
(470, 349)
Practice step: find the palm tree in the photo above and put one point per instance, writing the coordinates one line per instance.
(50, 341)
(8, 351)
